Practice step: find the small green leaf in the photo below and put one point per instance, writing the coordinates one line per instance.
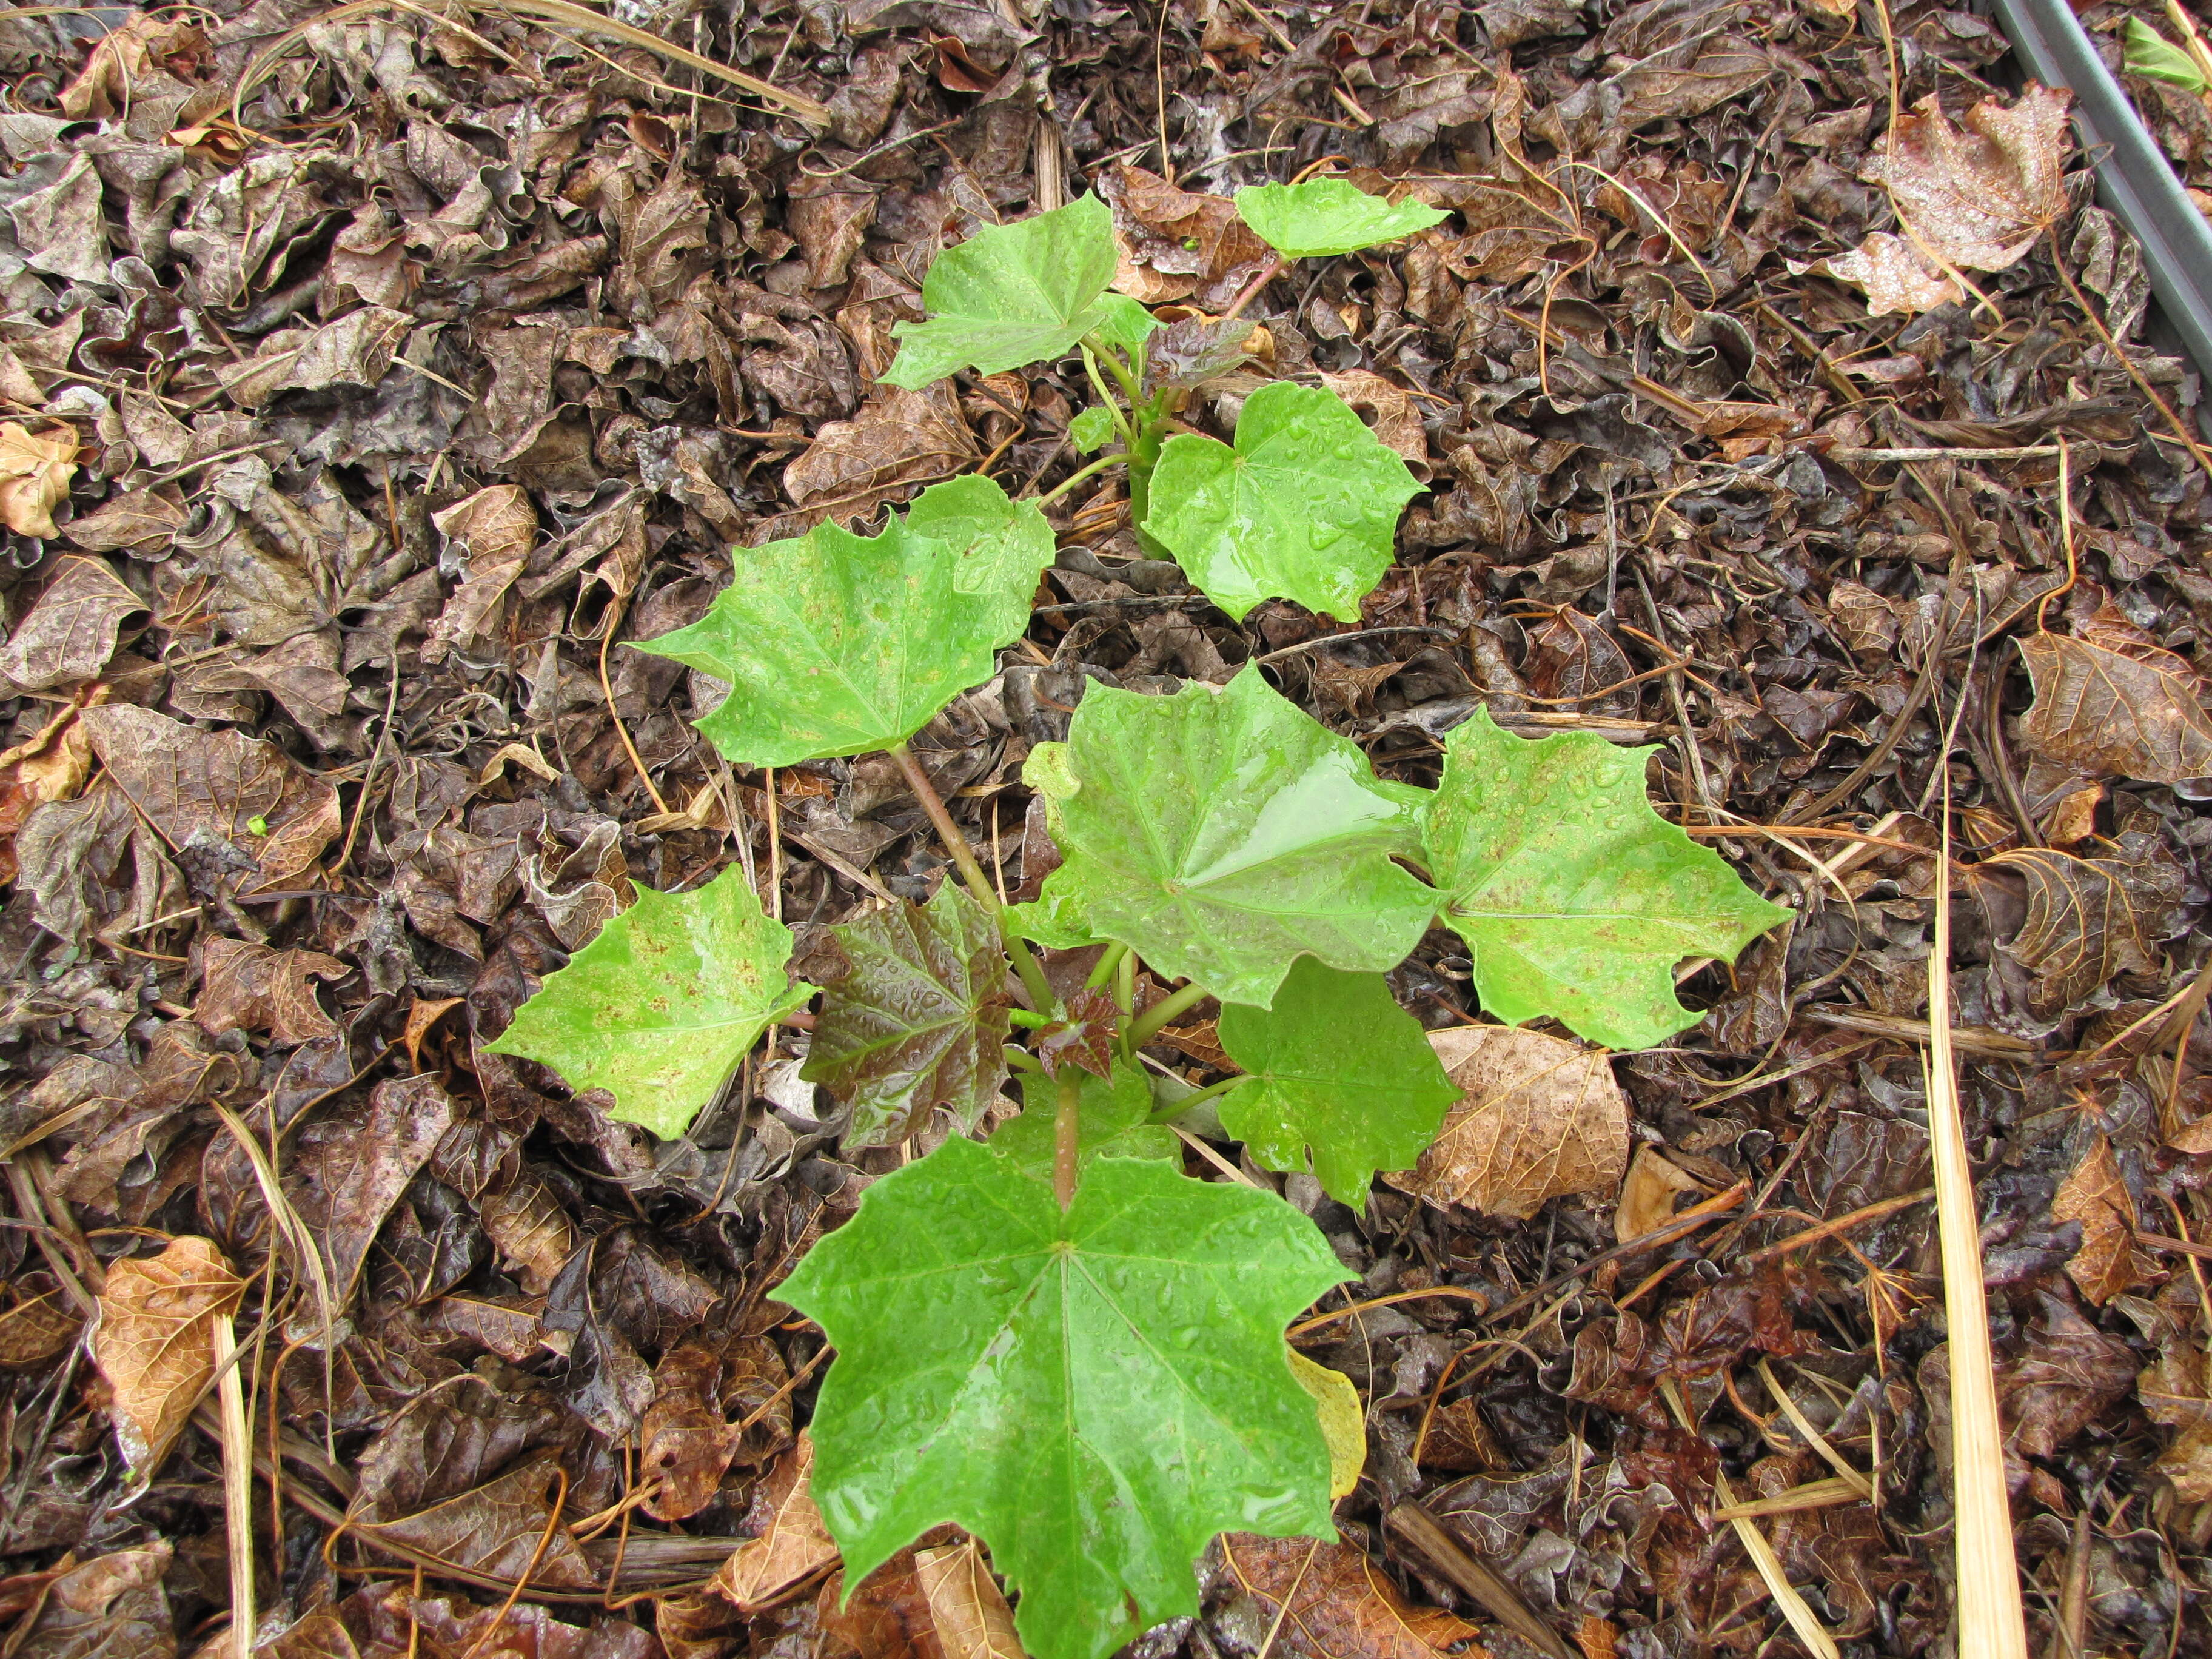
(919, 1019)
(1575, 899)
(2151, 54)
(1009, 295)
(1340, 1073)
(1091, 428)
(658, 1009)
(838, 644)
(1305, 507)
(1126, 325)
(1324, 216)
(1095, 1393)
(1113, 1117)
(1221, 834)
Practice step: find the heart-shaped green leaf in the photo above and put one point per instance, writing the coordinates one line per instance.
(1095, 1393)
(1340, 1073)
(918, 1021)
(1325, 216)
(838, 644)
(1009, 295)
(1113, 1118)
(1224, 833)
(1576, 899)
(658, 1009)
(1304, 507)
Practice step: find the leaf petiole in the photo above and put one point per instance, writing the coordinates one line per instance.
(1108, 962)
(1075, 479)
(1106, 399)
(1023, 1061)
(1148, 1024)
(1177, 1108)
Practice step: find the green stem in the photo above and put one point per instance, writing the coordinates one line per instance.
(1027, 966)
(1108, 962)
(1125, 987)
(1106, 398)
(1176, 1109)
(1143, 455)
(1023, 1017)
(1067, 1145)
(1159, 1014)
(1075, 479)
(1023, 1061)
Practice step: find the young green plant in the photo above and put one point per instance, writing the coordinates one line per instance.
(1053, 1337)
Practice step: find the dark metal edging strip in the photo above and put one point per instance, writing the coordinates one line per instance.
(2134, 177)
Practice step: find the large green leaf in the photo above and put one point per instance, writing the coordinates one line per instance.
(1095, 1393)
(1304, 507)
(1221, 834)
(917, 1021)
(838, 644)
(1340, 1073)
(1576, 900)
(1114, 1116)
(2150, 54)
(658, 1009)
(1011, 294)
(1324, 216)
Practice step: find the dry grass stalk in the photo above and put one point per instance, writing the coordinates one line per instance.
(237, 1483)
(1989, 1617)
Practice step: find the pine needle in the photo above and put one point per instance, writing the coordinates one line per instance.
(1988, 1613)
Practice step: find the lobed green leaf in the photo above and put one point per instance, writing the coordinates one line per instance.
(1221, 834)
(1575, 899)
(1304, 506)
(1011, 294)
(658, 1009)
(838, 644)
(1325, 217)
(1094, 1393)
(1341, 1075)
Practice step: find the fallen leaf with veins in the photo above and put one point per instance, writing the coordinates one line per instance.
(35, 470)
(1537, 1116)
(2134, 713)
(2107, 1261)
(1331, 1602)
(1978, 194)
(966, 1604)
(793, 1544)
(155, 1343)
(1895, 275)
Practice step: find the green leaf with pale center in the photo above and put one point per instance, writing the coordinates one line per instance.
(1113, 1117)
(1341, 1075)
(661, 1005)
(1011, 294)
(917, 1021)
(838, 644)
(1095, 1393)
(1125, 325)
(1221, 834)
(1575, 899)
(1091, 428)
(1325, 216)
(2150, 54)
(1304, 506)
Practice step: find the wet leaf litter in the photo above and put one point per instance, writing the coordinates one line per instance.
(375, 384)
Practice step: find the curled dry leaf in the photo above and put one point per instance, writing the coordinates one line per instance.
(35, 469)
(70, 632)
(792, 1544)
(1980, 195)
(966, 1604)
(249, 986)
(2095, 1195)
(36, 1327)
(1650, 1194)
(111, 1607)
(1335, 1604)
(2137, 713)
(155, 1342)
(1536, 1117)
(2080, 931)
(1895, 275)
(2176, 1390)
(899, 439)
(51, 765)
(497, 1530)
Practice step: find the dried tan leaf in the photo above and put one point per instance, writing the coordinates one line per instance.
(793, 1544)
(899, 439)
(71, 632)
(250, 987)
(1335, 1604)
(2081, 929)
(35, 470)
(1896, 276)
(965, 1602)
(155, 1343)
(2177, 1391)
(1396, 420)
(1647, 1197)
(2093, 1194)
(51, 765)
(499, 1528)
(34, 1330)
(2137, 714)
(1980, 196)
(1536, 1117)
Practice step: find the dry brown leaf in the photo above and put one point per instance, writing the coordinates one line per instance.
(1981, 195)
(123, 59)
(965, 1602)
(245, 987)
(143, 521)
(155, 1343)
(495, 530)
(1647, 1197)
(527, 1225)
(35, 470)
(2107, 1261)
(1536, 1117)
(52, 765)
(2080, 931)
(899, 439)
(2177, 1391)
(688, 1443)
(111, 1607)
(1177, 243)
(1396, 422)
(35, 1328)
(1896, 276)
(792, 1544)
(2137, 714)
(1335, 1604)
(498, 1528)
(71, 632)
